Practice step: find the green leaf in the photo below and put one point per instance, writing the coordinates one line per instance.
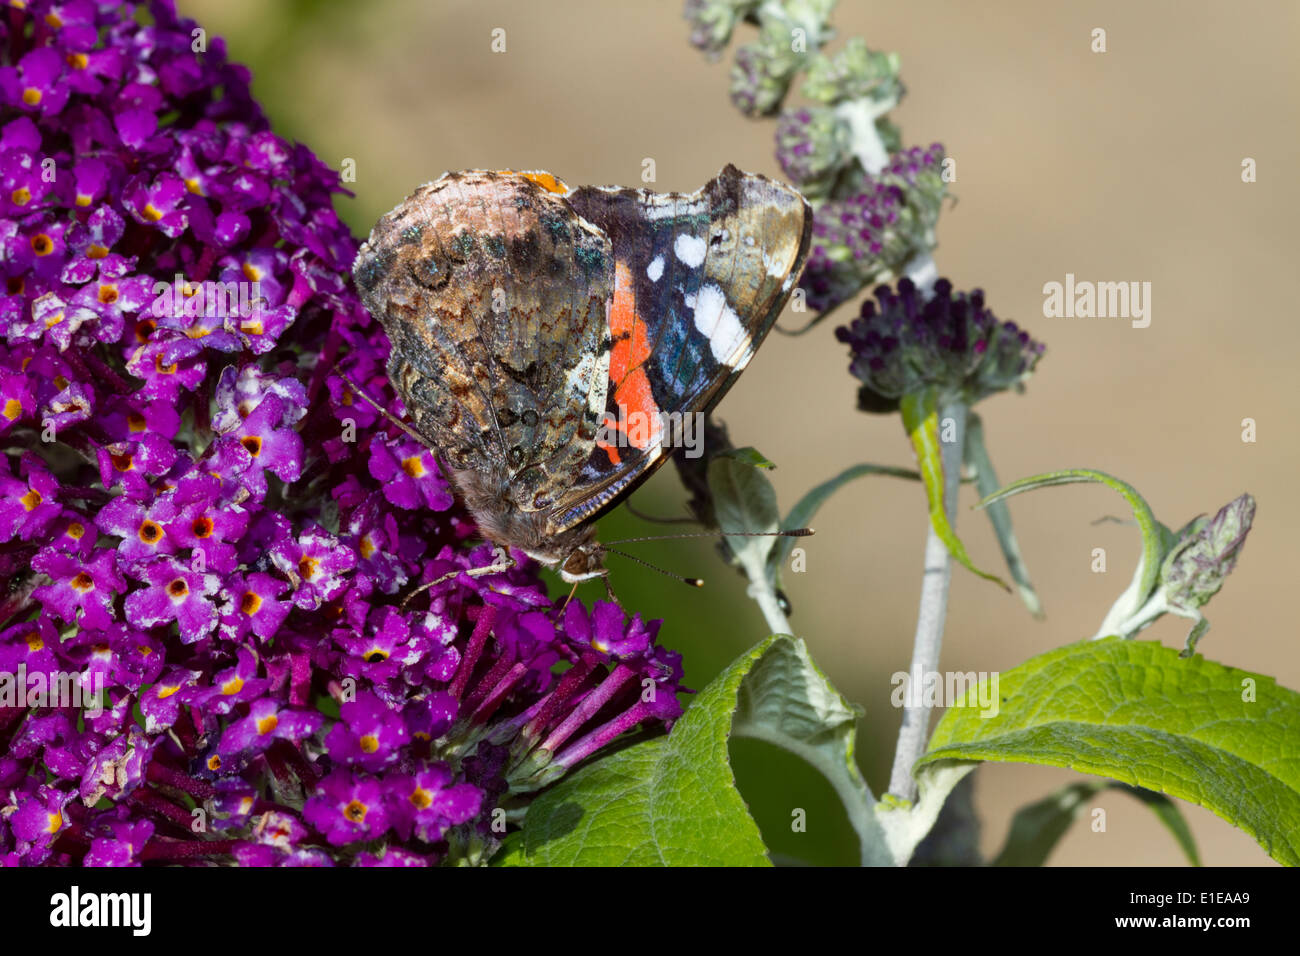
(986, 480)
(671, 801)
(744, 501)
(787, 701)
(1136, 712)
(907, 824)
(1156, 538)
(1167, 812)
(921, 419)
(807, 506)
(1037, 827)
(749, 456)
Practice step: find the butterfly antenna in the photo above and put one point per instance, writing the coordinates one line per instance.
(357, 390)
(693, 582)
(792, 533)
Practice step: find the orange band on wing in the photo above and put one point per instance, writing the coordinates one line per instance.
(632, 392)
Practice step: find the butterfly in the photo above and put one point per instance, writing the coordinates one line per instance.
(544, 338)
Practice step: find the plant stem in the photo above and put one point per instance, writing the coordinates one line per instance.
(930, 617)
(764, 596)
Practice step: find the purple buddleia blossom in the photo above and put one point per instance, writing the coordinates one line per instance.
(906, 341)
(203, 522)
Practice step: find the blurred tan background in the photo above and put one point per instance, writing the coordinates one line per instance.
(1118, 166)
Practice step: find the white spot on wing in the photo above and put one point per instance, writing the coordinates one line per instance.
(689, 249)
(655, 269)
(719, 323)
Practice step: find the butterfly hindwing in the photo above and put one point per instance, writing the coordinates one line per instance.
(494, 294)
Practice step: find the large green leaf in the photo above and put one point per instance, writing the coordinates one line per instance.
(671, 801)
(1037, 827)
(1135, 711)
(787, 701)
(921, 420)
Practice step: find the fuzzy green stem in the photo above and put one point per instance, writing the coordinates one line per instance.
(930, 617)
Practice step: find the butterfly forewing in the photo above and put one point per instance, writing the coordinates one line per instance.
(700, 280)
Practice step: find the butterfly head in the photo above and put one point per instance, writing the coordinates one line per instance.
(574, 555)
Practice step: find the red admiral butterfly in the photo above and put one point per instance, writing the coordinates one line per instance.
(531, 322)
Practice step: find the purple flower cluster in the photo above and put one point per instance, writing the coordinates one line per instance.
(204, 655)
(872, 233)
(906, 342)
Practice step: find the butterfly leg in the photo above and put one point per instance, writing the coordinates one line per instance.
(472, 572)
(356, 389)
(559, 615)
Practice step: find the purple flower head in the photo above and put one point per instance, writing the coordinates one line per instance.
(907, 342)
(208, 529)
(409, 475)
(369, 733)
(428, 802)
(174, 593)
(347, 809)
(875, 230)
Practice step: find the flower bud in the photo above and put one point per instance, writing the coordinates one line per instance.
(1205, 554)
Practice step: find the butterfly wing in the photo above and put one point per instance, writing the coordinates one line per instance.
(494, 295)
(699, 280)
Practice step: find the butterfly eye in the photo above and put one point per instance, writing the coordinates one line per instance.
(576, 563)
